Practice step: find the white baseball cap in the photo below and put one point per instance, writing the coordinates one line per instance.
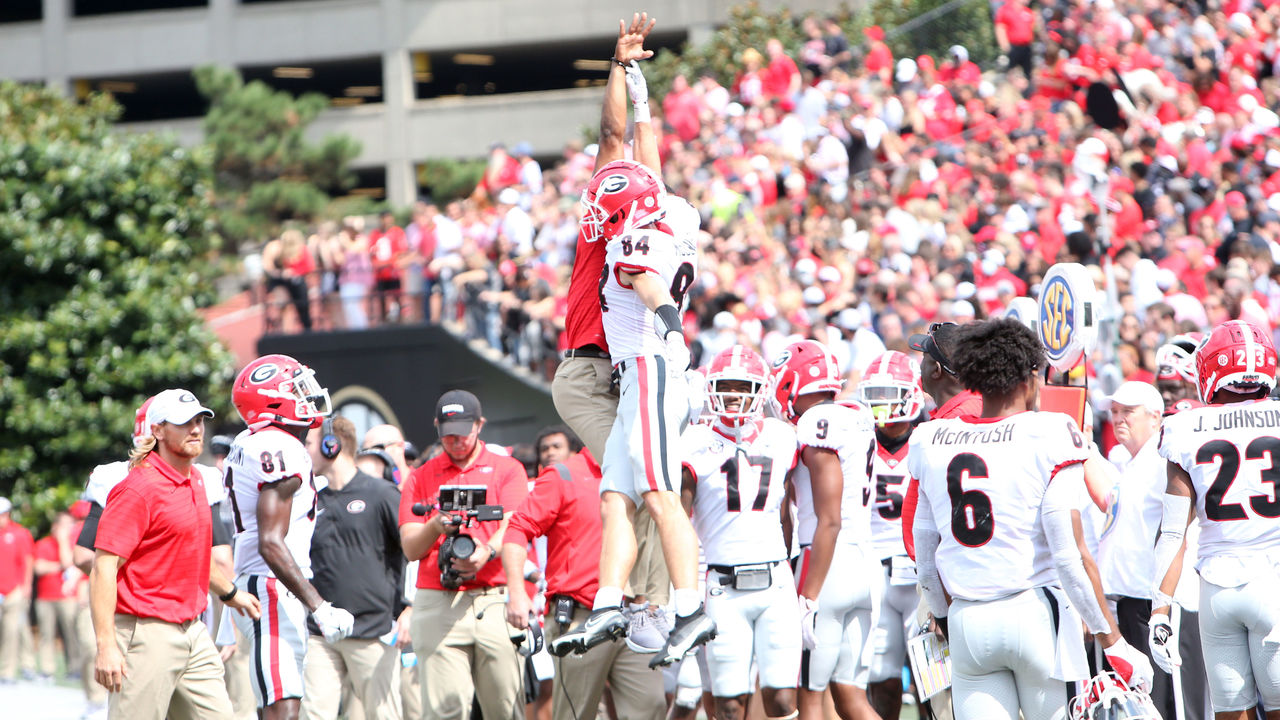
(1139, 394)
(5, 505)
(175, 407)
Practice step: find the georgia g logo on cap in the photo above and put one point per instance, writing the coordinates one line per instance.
(186, 397)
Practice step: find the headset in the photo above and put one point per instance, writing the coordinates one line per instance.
(390, 471)
(330, 444)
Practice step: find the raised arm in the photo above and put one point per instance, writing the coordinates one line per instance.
(613, 116)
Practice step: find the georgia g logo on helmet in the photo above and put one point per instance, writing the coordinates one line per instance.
(615, 183)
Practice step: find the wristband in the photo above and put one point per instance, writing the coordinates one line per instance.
(641, 112)
(619, 63)
(666, 320)
(229, 596)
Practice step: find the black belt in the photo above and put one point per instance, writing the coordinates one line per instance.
(587, 351)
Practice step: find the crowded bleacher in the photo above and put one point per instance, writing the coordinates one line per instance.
(855, 197)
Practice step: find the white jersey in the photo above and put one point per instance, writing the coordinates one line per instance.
(891, 480)
(628, 323)
(1232, 453)
(982, 483)
(850, 432)
(105, 477)
(740, 490)
(258, 459)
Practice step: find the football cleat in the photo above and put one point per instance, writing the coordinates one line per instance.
(603, 625)
(689, 632)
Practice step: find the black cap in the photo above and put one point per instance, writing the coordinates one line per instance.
(456, 412)
(925, 343)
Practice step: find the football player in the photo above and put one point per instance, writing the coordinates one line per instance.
(649, 267)
(273, 502)
(1176, 369)
(892, 390)
(1222, 463)
(998, 538)
(839, 577)
(734, 481)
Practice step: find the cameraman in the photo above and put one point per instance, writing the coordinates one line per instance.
(356, 558)
(460, 635)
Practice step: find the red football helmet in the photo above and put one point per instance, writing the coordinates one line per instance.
(1176, 359)
(892, 388)
(621, 195)
(140, 429)
(1183, 404)
(803, 368)
(742, 364)
(1107, 697)
(279, 389)
(1236, 355)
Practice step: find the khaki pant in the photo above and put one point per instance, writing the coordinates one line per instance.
(372, 667)
(584, 398)
(94, 693)
(53, 617)
(410, 693)
(14, 629)
(171, 670)
(580, 679)
(465, 651)
(239, 685)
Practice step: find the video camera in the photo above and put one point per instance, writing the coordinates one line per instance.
(465, 506)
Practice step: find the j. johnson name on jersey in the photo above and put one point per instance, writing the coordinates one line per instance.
(943, 436)
(1242, 418)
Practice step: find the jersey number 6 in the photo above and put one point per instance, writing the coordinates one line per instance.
(972, 523)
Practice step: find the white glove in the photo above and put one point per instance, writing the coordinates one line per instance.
(1131, 665)
(637, 88)
(677, 354)
(335, 623)
(1164, 643)
(808, 618)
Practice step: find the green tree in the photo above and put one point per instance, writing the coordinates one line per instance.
(931, 27)
(105, 241)
(449, 179)
(266, 171)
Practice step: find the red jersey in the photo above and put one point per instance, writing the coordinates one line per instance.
(385, 250)
(158, 521)
(50, 585)
(568, 514)
(16, 548)
(583, 324)
(1019, 23)
(966, 403)
(507, 486)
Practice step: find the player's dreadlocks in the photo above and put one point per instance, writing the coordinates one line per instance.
(993, 357)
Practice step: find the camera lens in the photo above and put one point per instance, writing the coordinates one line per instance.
(463, 546)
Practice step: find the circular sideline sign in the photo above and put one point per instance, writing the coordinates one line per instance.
(1068, 318)
(1026, 311)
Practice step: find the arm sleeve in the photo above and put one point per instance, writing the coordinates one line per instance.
(1173, 530)
(1060, 499)
(538, 512)
(909, 519)
(927, 538)
(89, 530)
(221, 535)
(123, 524)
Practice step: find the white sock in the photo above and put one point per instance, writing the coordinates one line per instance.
(687, 602)
(607, 597)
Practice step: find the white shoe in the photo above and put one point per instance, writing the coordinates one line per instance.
(648, 628)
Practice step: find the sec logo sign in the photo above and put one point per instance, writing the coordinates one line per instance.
(1057, 317)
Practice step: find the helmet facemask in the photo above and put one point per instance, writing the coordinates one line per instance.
(736, 405)
(889, 402)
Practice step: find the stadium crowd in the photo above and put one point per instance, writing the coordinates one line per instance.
(855, 192)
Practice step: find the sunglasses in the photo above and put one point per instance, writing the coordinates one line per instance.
(930, 346)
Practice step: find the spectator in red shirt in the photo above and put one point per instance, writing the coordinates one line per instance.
(286, 261)
(879, 60)
(388, 248)
(459, 631)
(1015, 31)
(503, 172)
(782, 76)
(680, 107)
(56, 605)
(152, 574)
(564, 507)
(16, 549)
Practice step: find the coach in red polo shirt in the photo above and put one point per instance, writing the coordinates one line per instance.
(460, 635)
(151, 573)
(16, 548)
(564, 506)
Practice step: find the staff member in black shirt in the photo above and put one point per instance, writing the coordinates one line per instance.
(358, 564)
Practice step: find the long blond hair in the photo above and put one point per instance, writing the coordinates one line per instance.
(141, 449)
